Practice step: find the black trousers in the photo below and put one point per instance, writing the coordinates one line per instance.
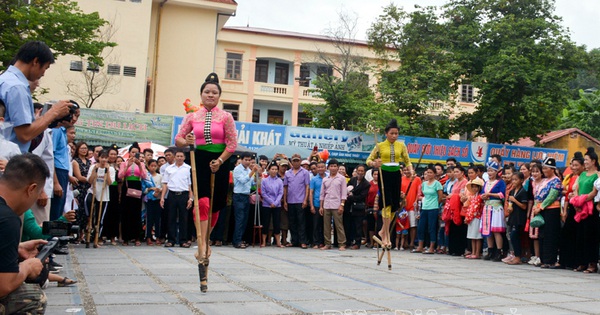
(113, 214)
(317, 231)
(568, 240)
(354, 230)
(457, 238)
(550, 236)
(131, 218)
(586, 246)
(178, 218)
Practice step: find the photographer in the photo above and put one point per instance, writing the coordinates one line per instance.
(20, 187)
(31, 62)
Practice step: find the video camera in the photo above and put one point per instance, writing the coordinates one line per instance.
(73, 109)
(61, 233)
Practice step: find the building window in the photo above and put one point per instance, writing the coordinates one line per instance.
(136, 1)
(234, 66)
(282, 71)
(76, 66)
(92, 66)
(256, 115)
(262, 71)
(129, 71)
(466, 93)
(303, 119)
(233, 109)
(304, 76)
(275, 117)
(324, 70)
(113, 69)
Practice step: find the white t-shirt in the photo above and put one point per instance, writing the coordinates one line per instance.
(100, 182)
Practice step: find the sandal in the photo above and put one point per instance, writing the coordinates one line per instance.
(579, 269)
(218, 243)
(66, 282)
(591, 270)
(414, 251)
(138, 243)
(185, 245)
(168, 244)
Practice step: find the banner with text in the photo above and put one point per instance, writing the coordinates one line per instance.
(438, 150)
(107, 127)
(339, 143)
(520, 155)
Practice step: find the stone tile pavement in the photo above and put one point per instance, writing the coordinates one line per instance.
(158, 280)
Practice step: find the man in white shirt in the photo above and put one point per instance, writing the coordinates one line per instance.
(177, 180)
(164, 216)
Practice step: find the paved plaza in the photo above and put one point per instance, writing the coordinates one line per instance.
(158, 280)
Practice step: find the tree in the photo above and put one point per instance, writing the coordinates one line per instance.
(584, 113)
(514, 53)
(426, 75)
(95, 80)
(588, 75)
(519, 57)
(58, 23)
(349, 100)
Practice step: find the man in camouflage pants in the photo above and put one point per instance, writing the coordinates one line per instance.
(21, 185)
(26, 299)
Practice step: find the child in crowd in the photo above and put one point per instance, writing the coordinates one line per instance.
(402, 226)
(100, 176)
(474, 206)
(151, 187)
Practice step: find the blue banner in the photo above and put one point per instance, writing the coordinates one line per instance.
(520, 155)
(255, 136)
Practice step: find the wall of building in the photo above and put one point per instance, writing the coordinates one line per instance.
(573, 142)
(185, 56)
(130, 22)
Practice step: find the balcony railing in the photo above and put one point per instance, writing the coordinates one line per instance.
(274, 89)
(306, 92)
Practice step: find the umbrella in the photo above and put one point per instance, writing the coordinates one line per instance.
(240, 149)
(288, 150)
(158, 149)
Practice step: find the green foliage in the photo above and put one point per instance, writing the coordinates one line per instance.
(349, 104)
(584, 113)
(58, 23)
(427, 74)
(588, 75)
(514, 52)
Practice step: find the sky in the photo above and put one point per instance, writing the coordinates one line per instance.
(581, 17)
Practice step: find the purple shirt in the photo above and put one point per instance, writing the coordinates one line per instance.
(333, 191)
(271, 190)
(297, 183)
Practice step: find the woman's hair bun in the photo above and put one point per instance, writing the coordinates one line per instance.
(578, 155)
(590, 150)
(212, 78)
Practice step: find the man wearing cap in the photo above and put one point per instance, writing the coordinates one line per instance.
(295, 195)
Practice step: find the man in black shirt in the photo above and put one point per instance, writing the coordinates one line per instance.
(21, 185)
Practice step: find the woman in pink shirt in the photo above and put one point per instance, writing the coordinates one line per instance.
(131, 173)
(211, 131)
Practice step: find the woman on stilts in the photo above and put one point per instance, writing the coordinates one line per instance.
(211, 131)
(387, 156)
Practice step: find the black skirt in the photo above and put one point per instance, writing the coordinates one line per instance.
(203, 159)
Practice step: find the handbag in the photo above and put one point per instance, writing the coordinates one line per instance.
(358, 208)
(537, 221)
(132, 192)
(527, 226)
